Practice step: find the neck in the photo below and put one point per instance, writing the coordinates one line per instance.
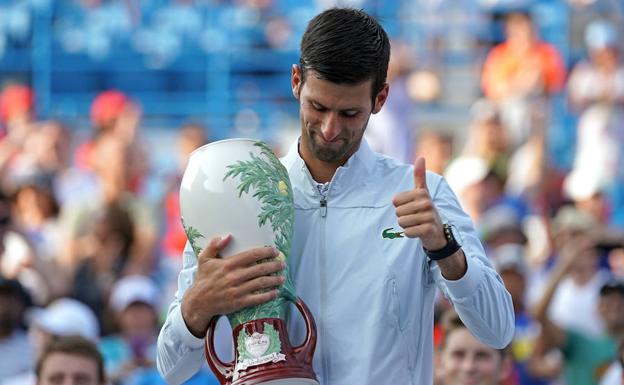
(321, 171)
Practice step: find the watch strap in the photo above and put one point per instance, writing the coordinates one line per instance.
(451, 246)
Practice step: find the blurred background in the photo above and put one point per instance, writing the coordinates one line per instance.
(519, 104)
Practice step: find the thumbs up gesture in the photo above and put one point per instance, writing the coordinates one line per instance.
(416, 213)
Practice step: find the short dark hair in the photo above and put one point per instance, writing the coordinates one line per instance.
(74, 345)
(344, 45)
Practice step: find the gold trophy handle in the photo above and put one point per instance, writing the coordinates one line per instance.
(305, 351)
(224, 371)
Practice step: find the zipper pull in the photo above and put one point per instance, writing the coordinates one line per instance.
(323, 207)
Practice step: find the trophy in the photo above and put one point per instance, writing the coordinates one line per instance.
(238, 186)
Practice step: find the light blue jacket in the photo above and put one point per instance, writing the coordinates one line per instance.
(372, 297)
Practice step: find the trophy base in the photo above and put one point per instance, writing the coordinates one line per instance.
(291, 381)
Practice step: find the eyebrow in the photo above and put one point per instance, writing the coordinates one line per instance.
(321, 105)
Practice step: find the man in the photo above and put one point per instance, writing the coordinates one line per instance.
(464, 360)
(352, 231)
(586, 356)
(70, 360)
(517, 72)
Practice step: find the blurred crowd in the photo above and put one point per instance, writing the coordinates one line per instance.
(88, 249)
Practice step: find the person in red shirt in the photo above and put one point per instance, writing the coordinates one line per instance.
(520, 70)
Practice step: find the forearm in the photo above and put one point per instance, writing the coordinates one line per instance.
(541, 309)
(482, 302)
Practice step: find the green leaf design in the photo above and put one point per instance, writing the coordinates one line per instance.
(275, 344)
(193, 235)
(271, 186)
(243, 354)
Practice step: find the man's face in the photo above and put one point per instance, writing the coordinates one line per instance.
(466, 361)
(333, 116)
(610, 309)
(68, 369)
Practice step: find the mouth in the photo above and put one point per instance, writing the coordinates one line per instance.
(322, 140)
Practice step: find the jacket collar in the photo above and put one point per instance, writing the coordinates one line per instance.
(354, 172)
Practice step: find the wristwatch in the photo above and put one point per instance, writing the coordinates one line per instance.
(451, 245)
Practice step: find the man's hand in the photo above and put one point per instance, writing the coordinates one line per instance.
(417, 214)
(223, 286)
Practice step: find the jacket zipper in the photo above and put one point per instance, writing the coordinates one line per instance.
(323, 207)
(323, 295)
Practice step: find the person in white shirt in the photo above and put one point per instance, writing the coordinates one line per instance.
(370, 246)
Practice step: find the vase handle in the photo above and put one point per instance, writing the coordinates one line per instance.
(222, 370)
(305, 351)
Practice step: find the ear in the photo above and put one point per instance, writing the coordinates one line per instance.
(295, 80)
(381, 97)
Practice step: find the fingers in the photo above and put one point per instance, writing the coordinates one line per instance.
(258, 298)
(257, 270)
(214, 247)
(252, 256)
(415, 220)
(406, 197)
(262, 284)
(420, 172)
(413, 206)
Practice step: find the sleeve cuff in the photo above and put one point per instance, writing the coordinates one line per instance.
(182, 332)
(467, 285)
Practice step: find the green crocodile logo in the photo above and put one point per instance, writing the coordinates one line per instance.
(387, 234)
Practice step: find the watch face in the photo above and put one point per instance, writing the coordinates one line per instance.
(455, 232)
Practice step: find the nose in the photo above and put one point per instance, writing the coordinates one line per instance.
(331, 127)
(468, 364)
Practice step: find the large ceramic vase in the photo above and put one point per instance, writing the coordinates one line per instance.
(239, 187)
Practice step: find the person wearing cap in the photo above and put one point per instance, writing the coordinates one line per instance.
(15, 349)
(130, 354)
(64, 317)
(585, 356)
(574, 233)
(70, 360)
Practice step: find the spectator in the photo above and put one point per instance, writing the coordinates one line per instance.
(510, 262)
(584, 354)
(16, 124)
(436, 147)
(64, 317)
(19, 259)
(107, 255)
(518, 72)
(579, 288)
(487, 138)
(596, 89)
(110, 157)
(130, 354)
(71, 360)
(463, 359)
(15, 348)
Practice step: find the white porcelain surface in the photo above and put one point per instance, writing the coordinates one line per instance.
(212, 205)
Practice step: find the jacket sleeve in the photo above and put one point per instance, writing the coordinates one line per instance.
(479, 297)
(180, 354)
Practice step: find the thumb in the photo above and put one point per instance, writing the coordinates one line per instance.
(215, 246)
(420, 169)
